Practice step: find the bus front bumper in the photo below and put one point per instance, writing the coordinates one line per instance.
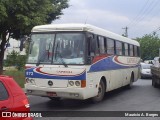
(71, 93)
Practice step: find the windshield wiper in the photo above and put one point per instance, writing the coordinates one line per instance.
(40, 59)
(65, 65)
(59, 54)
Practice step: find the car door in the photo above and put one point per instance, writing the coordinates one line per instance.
(6, 99)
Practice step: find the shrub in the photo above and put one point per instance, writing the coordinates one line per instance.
(15, 59)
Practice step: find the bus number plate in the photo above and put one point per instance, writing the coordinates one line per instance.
(51, 94)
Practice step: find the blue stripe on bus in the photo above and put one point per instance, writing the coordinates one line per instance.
(45, 76)
(108, 64)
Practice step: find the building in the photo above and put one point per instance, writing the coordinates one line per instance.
(13, 45)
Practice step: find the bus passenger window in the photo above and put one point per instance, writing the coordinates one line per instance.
(110, 46)
(131, 50)
(118, 48)
(126, 49)
(123, 49)
(135, 51)
(101, 45)
(138, 51)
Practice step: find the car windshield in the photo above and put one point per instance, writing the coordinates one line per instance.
(60, 48)
(146, 66)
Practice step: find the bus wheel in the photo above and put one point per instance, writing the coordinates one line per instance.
(101, 92)
(55, 98)
(131, 82)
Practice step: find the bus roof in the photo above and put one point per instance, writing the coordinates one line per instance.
(83, 27)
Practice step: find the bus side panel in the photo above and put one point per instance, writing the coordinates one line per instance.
(94, 78)
(116, 69)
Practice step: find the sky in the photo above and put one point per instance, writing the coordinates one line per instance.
(140, 16)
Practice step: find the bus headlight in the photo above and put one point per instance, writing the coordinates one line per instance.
(31, 81)
(77, 83)
(71, 83)
(27, 80)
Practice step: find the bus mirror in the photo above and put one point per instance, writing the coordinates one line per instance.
(22, 44)
(93, 46)
(22, 41)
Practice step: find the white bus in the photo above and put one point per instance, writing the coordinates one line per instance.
(79, 61)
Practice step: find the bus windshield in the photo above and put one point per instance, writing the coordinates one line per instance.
(57, 48)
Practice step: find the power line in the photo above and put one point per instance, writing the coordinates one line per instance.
(145, 12)
(154, 31)
(141, 11)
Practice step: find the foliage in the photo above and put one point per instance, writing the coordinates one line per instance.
(21, 60)
(19, 16)
(18, 76)
(12, 58)
(149, 45)
(15, 59)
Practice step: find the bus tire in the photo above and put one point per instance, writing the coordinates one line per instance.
(101, 92)
(131, 81)
(55, 98)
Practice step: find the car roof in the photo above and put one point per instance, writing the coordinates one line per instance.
(146, 64)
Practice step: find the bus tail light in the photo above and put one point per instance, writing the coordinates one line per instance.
(83, 83)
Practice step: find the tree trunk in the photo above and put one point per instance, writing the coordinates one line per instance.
(2, 50)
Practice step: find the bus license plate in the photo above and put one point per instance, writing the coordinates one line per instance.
(51, 94)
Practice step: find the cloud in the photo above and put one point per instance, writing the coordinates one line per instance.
(100, 18)
(111, 15)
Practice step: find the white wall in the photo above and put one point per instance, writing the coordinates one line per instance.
(14, 45)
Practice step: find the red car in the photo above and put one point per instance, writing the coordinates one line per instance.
(12, 99)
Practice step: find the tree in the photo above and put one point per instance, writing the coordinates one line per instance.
(149, 45)
(19, 16)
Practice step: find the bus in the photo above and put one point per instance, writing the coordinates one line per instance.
(79, 61)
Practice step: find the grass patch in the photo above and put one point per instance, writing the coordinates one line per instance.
(17, 75)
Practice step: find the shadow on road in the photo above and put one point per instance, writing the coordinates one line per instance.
(118, 95)
(69, 104)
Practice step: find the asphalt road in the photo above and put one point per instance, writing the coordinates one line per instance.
(141, 97)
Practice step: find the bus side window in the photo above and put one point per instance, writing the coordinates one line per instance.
(118, 48)
(138, 51)
(101, 46)
(91, 45)
(131, 50)
(105, 44)
(123, 49)
(110, 46)
(126, 49)
(135, 51)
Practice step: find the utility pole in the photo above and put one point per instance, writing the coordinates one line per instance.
(126, 31)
